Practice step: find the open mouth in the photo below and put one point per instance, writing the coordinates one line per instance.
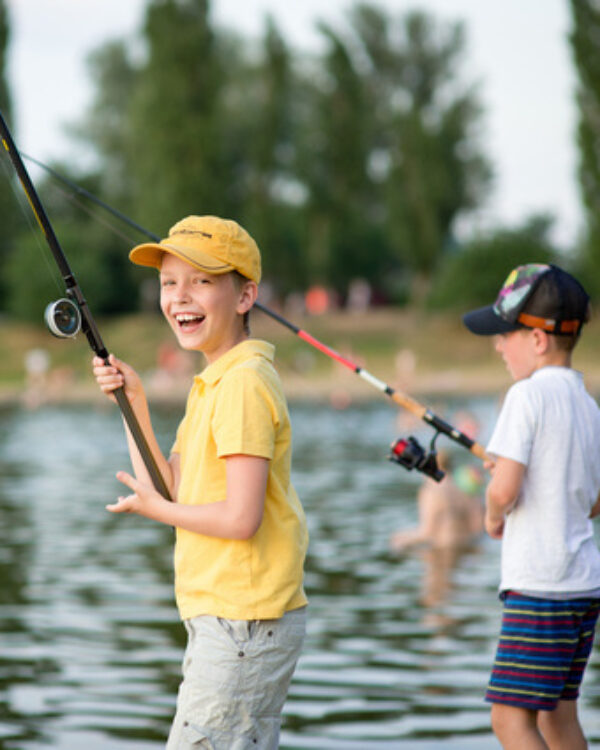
(188, 320)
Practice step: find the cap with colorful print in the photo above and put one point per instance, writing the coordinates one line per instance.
(535, 295)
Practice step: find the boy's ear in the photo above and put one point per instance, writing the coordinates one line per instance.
(247, 297)
(541, 340)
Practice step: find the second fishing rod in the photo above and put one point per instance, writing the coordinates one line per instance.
(406, 452)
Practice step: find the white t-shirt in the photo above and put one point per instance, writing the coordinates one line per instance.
(550, 423)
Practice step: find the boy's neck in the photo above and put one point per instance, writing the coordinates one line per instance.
(233, 342)
(556, 358)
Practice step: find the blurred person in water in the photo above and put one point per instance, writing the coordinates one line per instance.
(450, 522)
(450, 511)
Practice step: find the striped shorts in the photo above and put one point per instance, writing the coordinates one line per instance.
(543, 651)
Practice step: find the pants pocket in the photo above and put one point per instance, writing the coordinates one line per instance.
(196, 737)
(240, 631)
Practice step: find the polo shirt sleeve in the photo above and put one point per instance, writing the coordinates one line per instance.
(245, 416)
(514, 431)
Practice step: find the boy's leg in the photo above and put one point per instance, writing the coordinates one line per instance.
(542, 652)
(516, 728)
(235, 681)
(561, 728)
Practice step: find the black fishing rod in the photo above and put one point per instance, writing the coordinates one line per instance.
(407, 452)
(67, 316)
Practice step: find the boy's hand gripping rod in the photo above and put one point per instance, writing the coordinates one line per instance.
(406, 402)
(75, 295)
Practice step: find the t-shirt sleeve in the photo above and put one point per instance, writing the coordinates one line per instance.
(513, 433)
(245, 417)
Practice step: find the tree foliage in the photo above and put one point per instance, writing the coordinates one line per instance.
(353, 162)
(427, 127)
(95, 256)
(7, 213)
(584, 44)
(473, 276)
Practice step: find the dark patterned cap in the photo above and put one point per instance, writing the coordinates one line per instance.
(536, 295)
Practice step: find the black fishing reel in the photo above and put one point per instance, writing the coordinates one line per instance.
(408, 452)
(63, 318)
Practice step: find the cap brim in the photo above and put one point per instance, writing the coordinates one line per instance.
(485, 322)
(151, 253)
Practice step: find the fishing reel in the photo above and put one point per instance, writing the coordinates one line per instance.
(63, 318)
(408, 452)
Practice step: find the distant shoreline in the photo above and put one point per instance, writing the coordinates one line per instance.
(415, 352)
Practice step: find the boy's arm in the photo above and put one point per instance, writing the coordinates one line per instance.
(238, 516)
(114, 375)
(501, 494)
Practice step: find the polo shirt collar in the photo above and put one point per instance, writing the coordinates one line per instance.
(236, 355)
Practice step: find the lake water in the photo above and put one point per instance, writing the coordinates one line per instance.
(398, 649)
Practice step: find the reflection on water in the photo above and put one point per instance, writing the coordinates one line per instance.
(398, 651)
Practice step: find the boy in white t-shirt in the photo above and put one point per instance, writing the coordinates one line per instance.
(543, 493)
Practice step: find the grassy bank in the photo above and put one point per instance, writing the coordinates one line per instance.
(410, 350)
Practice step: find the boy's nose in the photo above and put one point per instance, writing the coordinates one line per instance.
(182, 293)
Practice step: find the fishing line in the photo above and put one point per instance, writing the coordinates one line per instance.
(79, 190)
(407, 453)
(72, 313)
(25, 210)
(96, 216)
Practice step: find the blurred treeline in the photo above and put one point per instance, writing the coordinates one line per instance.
(360, 161)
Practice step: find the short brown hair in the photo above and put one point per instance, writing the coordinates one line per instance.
(239, 280)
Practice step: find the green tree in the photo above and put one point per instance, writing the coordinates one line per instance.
(356, 162)
(5, 98)
(95, 245)
(97, 257)
(473, 275)
(8, 207)
(106, 127)
(202, 124)
(178, 164)
(431, 166)
(584, 44)
(260, 126)
(342, 237)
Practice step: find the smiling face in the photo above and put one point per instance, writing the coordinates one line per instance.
(205, 311)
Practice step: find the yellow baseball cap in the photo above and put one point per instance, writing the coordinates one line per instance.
(210, 243)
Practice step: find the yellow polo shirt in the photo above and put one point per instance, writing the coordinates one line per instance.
(236, 406)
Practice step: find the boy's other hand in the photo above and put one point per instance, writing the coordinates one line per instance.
(141, 499)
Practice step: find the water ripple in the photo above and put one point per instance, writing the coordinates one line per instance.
(398, 647)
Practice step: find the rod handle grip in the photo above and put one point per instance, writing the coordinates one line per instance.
(142, 444)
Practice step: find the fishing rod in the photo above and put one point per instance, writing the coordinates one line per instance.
(405, 451)
(67, 316)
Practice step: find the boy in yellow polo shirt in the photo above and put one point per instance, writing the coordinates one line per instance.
(240, 529)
